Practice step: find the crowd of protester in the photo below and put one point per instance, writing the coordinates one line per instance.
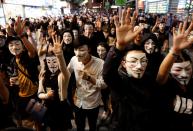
(78, 65)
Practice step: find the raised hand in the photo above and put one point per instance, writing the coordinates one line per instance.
(19, 26)
(157, 22)
(51, 31)
(57, 48)
(180, 38)
(98, 24)
(124, 29)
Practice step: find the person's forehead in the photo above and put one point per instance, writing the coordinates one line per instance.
(67, 34)
(15, 41)
(101, 47)
(149, 40)
(135, 54)
(50, 57)
(74, 31)
(182, 64)
(162, 24)
(82, 47)
(88, 26)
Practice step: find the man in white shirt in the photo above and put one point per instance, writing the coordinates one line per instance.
(89, 82)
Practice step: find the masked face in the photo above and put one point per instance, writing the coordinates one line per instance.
(157, 34)
(2, 42)
(149, 46)
(67, 37)
(15, 47)
(112, 31)
(182, 72)
(161, 26)
(135, 64)
(101, 51)
(82, 53)
(59, 25)
(80, 23)
(52, 63)
(88, 30)
(75, 33)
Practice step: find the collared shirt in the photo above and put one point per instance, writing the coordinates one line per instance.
(87, 95)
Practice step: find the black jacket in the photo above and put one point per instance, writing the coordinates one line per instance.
(133, 99)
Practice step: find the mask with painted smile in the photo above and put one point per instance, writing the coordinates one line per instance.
(182, 72)
(149, 46)
(52, 63)
(82, 53)
(15, 47)
(135, 64)
(101, 51)
(67, 37)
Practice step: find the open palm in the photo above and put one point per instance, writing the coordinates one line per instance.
(19, 26)
(180, 38)
(124, 28)
(57, 48)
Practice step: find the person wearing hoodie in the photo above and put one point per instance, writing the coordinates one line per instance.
(132, 89)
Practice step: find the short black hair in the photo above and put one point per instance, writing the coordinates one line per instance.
(12, 38)
(150, 36)
(82, 40)
(68, 31)
(183, 57)
(105, 45)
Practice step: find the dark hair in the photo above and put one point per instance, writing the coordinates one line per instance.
(12, 38)
(69, 31)
(3, 31)
(183, 57)
(82, 40)
(89, 23)
(105, 45)
(150, 36)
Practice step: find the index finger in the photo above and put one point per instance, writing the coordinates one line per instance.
(62, 42)
(133, 19)
(53, 39)
(189, 29)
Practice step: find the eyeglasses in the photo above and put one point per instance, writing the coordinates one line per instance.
(134, 63)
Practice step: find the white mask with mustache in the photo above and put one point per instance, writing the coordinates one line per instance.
(182, 72)
(15, 47)
(52, 63)
(67, 37)
(149, 46)
(136, 64)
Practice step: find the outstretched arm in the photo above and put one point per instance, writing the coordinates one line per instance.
(156, 25)
(125, 34)
(19, 29)
(124, 29)
(180, 42)
(57, 49)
